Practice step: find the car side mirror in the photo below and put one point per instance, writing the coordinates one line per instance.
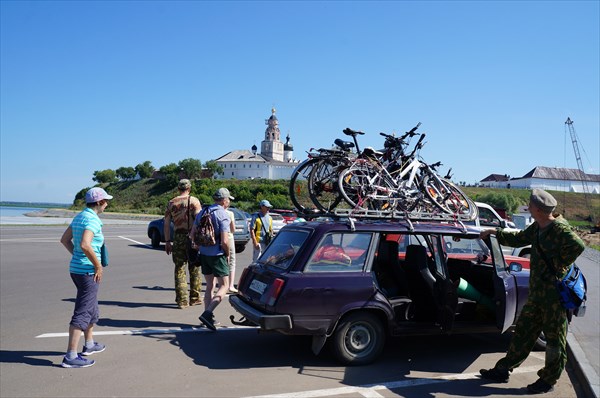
(503, 224)
(515, 267)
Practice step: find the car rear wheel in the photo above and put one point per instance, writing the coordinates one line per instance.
(239, 248)
(358, 339)
(155, 238)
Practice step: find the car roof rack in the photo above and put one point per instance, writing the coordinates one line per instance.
(352, 215)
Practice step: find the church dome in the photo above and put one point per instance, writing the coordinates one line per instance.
(288, 145)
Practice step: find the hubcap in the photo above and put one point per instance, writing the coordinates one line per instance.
(358, 338)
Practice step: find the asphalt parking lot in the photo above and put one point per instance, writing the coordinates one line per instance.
(154, 349)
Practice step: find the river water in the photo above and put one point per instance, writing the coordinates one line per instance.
(16, 216)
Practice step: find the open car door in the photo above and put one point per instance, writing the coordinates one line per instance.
(505, 288)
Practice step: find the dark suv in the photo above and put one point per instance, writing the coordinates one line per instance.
(352, 284)
(241, 235)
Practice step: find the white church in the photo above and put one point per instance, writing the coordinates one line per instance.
(275, 160)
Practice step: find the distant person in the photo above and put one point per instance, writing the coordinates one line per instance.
(182, 211)
(231, 261)
(214, 259)
(84, 240)
(554, 247)
(261, 228)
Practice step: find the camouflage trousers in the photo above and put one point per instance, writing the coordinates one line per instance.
(535, 318)
(181, 286)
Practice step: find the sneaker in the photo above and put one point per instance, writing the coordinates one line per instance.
(195, 302)
(539, 387)
(182, 305)
(208, 319)
(232, 290)
(77, 362)
(96, 348)
(494, 374)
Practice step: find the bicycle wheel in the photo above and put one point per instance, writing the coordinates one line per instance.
(323, 184)
(449, 198)
(362, 187)
(299, 194)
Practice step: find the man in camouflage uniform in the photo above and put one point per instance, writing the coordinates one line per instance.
(182, 211)
(543, 311)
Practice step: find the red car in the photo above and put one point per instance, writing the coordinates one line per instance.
(288, 215)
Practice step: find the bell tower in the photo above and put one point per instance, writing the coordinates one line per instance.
(272, 147)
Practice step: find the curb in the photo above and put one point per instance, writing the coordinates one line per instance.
(584, 372)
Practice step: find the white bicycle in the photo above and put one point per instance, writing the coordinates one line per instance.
(409, 185)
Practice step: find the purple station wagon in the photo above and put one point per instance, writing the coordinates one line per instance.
(352, 284)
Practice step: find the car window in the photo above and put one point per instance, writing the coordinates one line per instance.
(340, 252)
(438, 255)
(284, 248)
(487, 218)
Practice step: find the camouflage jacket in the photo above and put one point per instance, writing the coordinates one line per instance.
(560, 245)
(177, 211)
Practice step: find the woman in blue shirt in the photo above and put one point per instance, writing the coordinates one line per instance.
(84, 239)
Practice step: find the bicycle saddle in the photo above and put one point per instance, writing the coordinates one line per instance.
(349, 131)
(345, 145)
(370, 152)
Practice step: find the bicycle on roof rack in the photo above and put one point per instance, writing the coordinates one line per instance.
(313, 184)
(405, 184)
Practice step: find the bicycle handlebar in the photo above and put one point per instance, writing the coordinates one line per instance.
(400, 139)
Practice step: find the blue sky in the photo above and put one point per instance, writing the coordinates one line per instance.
(98, 85)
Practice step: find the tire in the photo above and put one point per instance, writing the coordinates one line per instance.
(358, 339)
(299, 194)
(155, 238)
(358, 189)
(449, 198)
(239, 248)
(323, 184)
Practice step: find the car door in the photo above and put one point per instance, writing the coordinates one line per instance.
(505, 288)
(445, 294)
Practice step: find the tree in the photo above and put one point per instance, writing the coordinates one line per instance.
(126, 173)
(213, 167)
(145, 169)
(105, 176)
(192, 168)
(171, 173)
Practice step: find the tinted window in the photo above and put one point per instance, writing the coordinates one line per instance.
(282, 251)
(340, 252)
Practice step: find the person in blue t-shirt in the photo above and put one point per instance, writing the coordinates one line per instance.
(214, 259)
(84, 240)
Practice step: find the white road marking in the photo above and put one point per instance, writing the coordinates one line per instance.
(135, 241)
(370, 390)
(140, 332)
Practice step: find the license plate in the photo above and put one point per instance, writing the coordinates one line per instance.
(258, 286)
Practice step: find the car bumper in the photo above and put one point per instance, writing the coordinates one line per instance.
(265, 321)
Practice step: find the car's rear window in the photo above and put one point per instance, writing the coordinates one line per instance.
(284, 248)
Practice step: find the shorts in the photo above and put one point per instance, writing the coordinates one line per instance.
(214, 265)
(86, 311)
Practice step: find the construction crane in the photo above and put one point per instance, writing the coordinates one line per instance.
(582, 174)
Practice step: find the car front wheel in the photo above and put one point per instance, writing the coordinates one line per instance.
(358, 339)
(155, 238)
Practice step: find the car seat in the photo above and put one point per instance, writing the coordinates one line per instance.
(420, 280)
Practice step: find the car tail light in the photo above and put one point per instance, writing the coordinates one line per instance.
(274, 291)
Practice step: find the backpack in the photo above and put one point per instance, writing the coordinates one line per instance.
(205, 231)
